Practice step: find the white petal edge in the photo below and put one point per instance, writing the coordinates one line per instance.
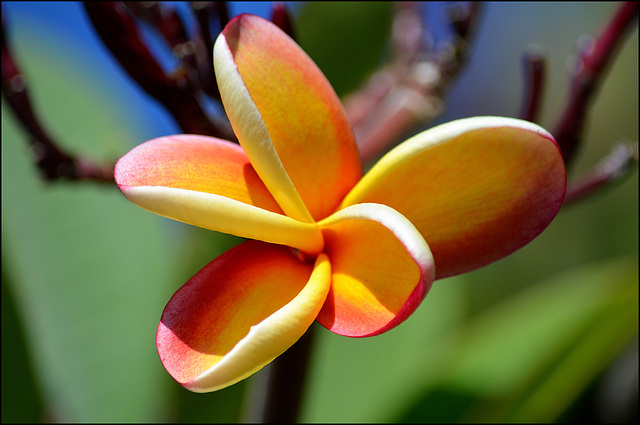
(252, 133)
(271, 337)
(433, 137)
(398, 224)
(222, 214)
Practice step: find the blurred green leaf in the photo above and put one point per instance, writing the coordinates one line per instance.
(530, 358)
(89, 271)
(345, 39)
(90, 279)
(21, 398)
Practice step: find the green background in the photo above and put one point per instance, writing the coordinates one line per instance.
(547, 334)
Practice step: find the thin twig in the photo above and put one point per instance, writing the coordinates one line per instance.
(205, 12)
(622, 158)
(222, 13)
(535, 73)
(588, 74)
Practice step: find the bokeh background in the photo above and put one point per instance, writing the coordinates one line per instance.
(548, 334)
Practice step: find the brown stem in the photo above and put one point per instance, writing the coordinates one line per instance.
(278, 391)
(163, 17)
(589, 72)
(222, 13)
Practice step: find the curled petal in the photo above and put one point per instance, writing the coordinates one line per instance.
(477, 189)
(381, 270)
(237, 314)
(209, 183)
(287, 118)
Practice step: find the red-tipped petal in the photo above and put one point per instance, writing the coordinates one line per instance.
(477, 189)
(287, 117)
(209, 183)
(381, 270)
(238, 313)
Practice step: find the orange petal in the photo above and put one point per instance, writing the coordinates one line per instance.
(286, 116)
(209, 183)
(381, 270)
(199, 163)
(477, 189)
(238, 313)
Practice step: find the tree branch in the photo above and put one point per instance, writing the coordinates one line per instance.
(53, 162)
(535, 73)
(588, 73)
(118, 30)
(611, 169)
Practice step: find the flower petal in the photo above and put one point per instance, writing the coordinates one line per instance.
(200, 163)
(477, 188)
(209, 183)
(239, 313)
(287, 117)
(381, 270)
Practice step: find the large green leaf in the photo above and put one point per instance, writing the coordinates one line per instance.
(89, 271)
(90, 277)
(531, 357)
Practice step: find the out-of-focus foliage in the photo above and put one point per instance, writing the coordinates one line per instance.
(548, 334)
(345, 39)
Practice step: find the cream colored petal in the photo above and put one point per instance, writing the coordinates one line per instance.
(226, 215)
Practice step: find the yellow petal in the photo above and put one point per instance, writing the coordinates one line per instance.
(381, 270)
(239, 313)
(477, 189)
(287, 117)
(226, 215)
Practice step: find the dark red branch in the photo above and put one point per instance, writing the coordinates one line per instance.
(118, 30)
(163, 17)
(611, 169)
(205, 12)
(463, 19)
(53, 162)
(535, 73)
(282, 18)
(278, 392)
(589, 72)
(222, 13)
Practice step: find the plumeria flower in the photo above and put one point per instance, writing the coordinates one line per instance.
(356, 253)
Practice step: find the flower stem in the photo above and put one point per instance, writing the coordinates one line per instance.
(278, 391)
